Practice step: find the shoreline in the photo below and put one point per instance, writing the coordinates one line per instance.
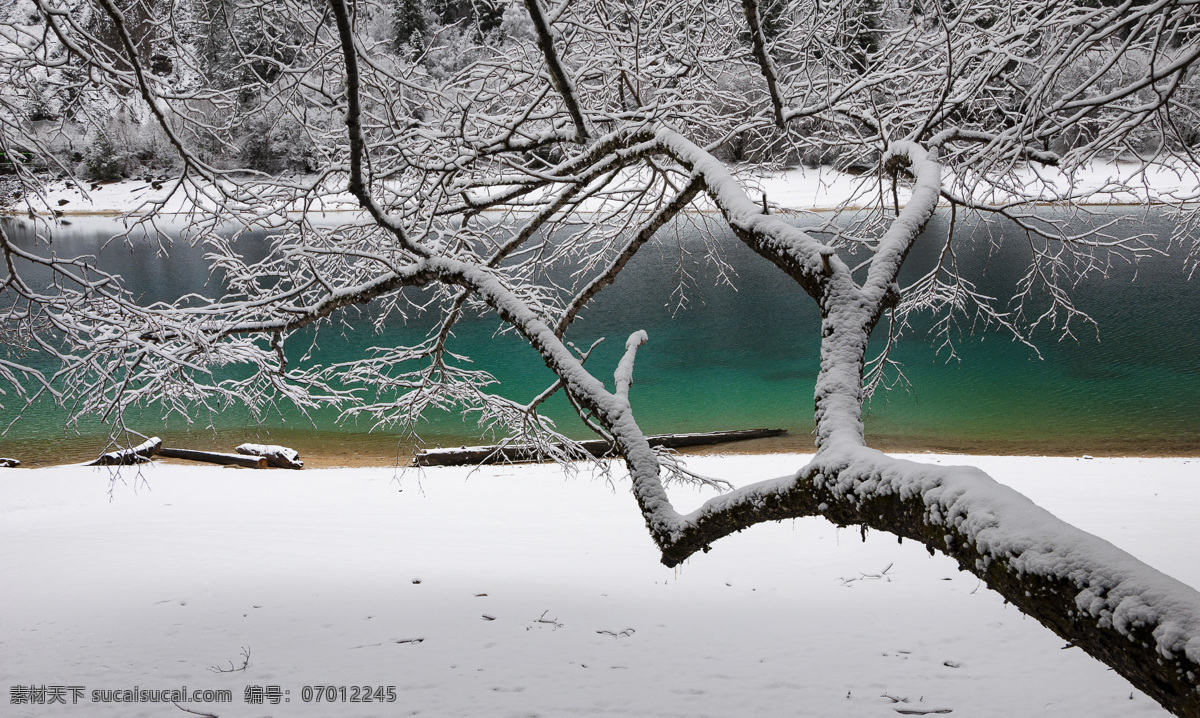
(799, 189)
(376, 451)
(112, 213)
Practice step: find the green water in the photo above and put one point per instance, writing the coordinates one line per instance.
(746, 356)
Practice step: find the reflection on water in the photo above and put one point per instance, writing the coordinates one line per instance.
(747, 356)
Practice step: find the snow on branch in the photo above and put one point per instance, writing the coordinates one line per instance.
(623, 376)
(1145, 624)
(894, 245)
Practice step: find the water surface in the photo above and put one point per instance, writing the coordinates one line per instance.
(745, 356)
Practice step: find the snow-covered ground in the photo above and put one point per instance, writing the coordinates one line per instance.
(1098, 184)
(798, 189)
(514, 591)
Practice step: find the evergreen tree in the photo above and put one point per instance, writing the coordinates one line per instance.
(408, 24)
(773, 17)
(865, 25)
(484, 15)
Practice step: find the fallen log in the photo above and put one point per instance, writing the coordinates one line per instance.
(215, 457)
(9, 463)
(278, 456)
(139, 454)
(707, 438)
(518, 453)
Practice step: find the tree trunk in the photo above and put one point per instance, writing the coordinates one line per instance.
(1139, 621)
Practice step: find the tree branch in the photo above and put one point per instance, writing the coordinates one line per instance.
(1139, 621)
(562, 83)
(765, 65)
(663, 215)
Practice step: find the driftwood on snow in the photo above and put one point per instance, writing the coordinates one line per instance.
(598, 447)
(278, 456)
(135, 455)
(215, 457)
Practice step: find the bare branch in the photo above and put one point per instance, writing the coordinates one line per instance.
(562, 83)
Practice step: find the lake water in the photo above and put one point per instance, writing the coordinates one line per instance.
(746, 356)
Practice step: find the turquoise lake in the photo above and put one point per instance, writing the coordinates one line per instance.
(746, 357)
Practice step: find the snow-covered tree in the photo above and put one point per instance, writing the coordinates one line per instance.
(517, 172)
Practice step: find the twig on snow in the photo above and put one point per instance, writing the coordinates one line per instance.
(232, 668)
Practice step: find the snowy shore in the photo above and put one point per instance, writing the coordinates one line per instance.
(535, 594)
(800, 189)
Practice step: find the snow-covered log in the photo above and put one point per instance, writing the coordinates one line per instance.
(139, 454)
(9, 463)
(278, 456)
(215, 457)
